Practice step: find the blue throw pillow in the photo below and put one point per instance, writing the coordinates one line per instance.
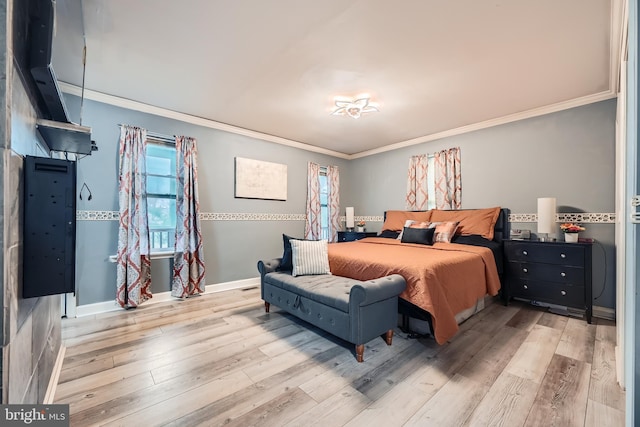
(389, 234)
(287, 257)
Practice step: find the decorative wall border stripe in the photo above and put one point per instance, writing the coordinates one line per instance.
(97, 215)
(581, 217)
(213, 216)
(525, 217)
(369, 218)
(204, 216)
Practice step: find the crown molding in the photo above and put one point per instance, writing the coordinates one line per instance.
(535, 112)
(187, 118)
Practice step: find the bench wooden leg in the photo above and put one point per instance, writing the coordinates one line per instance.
(266, 306)
(388, 336)
(360, 353)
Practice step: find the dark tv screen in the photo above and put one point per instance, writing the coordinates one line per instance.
(33, 22)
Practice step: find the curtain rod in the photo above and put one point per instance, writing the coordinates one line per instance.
(166, 139)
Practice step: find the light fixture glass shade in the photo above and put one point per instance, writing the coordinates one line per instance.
(547, 215)
(350, 223)
(354, 108)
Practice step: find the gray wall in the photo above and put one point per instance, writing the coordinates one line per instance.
(31, 328)
(232, 248)
(568, 155)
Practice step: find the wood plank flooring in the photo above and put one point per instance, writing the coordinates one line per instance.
(219, 359)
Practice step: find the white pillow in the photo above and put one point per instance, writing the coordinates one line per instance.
(309, 257)
(407, 223)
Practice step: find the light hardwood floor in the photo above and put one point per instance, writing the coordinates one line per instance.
(219, 359)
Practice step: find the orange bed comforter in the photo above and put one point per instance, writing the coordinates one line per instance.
(442, 279)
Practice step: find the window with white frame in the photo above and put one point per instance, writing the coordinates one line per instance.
(324, 203)
(431, 182)
(161, 194)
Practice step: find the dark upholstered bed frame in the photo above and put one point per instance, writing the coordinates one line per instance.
(408, 310)
(501, 229)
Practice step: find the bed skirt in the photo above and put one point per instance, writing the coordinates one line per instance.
(420, 325)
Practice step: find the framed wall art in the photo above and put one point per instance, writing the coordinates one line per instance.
(256, 179)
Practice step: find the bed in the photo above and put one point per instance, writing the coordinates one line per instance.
(444, 278)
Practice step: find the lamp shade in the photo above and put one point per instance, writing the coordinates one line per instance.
(350, 217)
(547, 215)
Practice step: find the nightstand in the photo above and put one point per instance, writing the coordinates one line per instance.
(350, 236)
(551, 272)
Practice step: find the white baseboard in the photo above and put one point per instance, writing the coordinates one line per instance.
(604, 313)
(55, 376)
(105, 306)
(237, 284)
(619, 367)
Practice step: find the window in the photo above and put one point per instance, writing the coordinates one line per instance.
(161, 194)
(431, 182)
(324, 203)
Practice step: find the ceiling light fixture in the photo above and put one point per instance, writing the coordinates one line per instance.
(354, 107)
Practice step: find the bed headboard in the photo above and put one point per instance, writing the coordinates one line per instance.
(501, 229)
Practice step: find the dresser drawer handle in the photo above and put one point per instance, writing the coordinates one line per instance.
(563, 274)
(525, 286)
(525, 253)
(563, 293)
(563, 256)
(524, 270)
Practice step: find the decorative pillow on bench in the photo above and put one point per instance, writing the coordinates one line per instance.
(309, 257)
(286, 264)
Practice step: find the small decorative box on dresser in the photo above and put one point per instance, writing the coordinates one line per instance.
(551, 272)
(350, 236)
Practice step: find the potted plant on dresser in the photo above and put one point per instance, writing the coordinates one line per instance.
(571, 232)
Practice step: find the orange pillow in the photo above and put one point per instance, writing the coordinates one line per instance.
(444, 231)
(413, 224)
(416, 224)
(472, 221)
(395, 220)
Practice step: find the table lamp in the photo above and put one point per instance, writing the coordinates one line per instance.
(546, 218)
(350, 223)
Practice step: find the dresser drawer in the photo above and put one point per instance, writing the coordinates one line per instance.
(549, 254)
(554, 293)
(546, 272)
(549, 272)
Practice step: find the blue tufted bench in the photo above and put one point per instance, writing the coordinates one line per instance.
(350, 309)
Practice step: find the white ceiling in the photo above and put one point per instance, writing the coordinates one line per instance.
(274, 67)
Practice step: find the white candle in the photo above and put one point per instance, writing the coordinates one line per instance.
(350, 217)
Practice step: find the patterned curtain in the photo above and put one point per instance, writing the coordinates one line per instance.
(133, 277)
(333, 180)
(417, 196)
(313, 225)
(188, 266)
(448, 184)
